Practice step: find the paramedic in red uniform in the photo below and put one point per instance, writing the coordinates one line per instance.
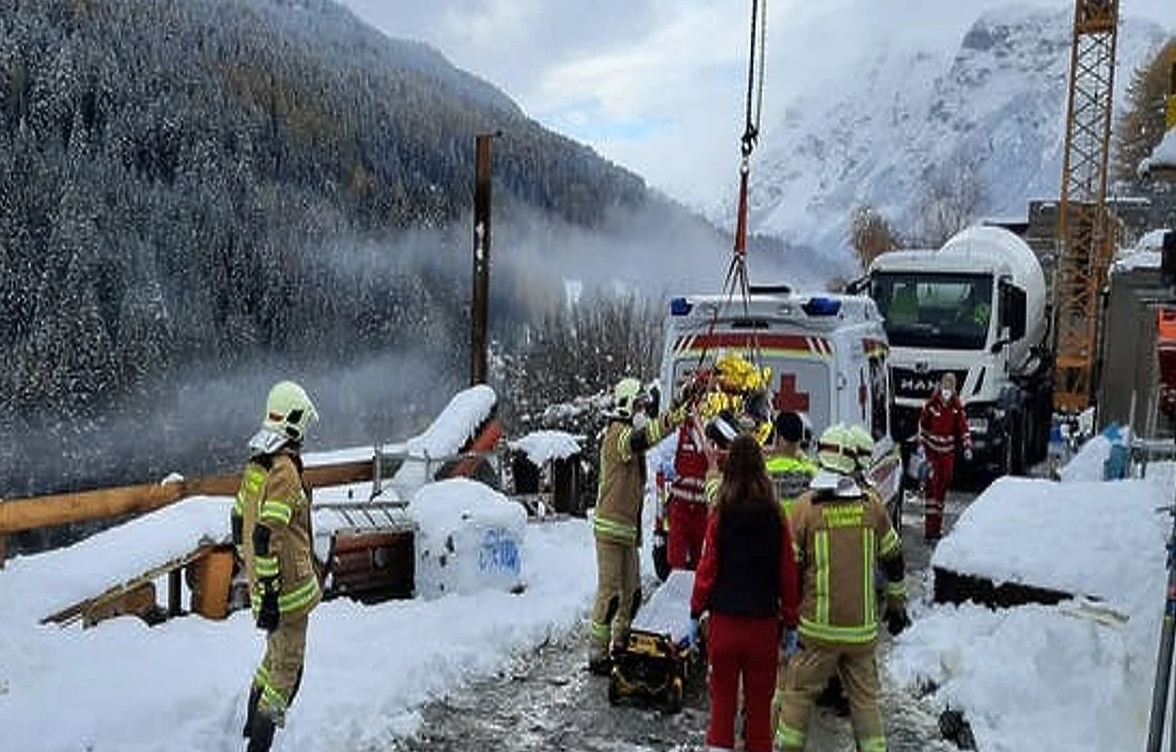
(943, 429)
(687, 503)
(748, 581)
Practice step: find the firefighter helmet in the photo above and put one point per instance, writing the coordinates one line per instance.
(289, 411)
(863, 445)
(626, 395)
(837, 450)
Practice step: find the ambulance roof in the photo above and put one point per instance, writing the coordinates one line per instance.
(807, 312)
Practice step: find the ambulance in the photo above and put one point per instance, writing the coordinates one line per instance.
(827, 354)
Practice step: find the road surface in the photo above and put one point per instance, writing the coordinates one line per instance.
(547, 700)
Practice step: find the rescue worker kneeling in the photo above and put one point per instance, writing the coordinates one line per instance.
(842, 532)
(271, 529)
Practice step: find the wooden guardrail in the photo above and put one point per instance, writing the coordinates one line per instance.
(17, 515)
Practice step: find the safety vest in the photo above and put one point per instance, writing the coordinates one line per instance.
(792, 476)
(840, 542)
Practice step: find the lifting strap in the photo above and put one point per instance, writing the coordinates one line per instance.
(736, 278)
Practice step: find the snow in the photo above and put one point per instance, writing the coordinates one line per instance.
(1071, 676)
(542, 446)
(470, 538)
(1146, 254)
(1164, 157)
(445, 437)
(1061, 677)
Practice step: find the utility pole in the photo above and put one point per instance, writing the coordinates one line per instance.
(479, 312)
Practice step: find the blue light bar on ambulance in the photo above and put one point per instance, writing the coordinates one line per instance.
(822, 306)
(680, 307)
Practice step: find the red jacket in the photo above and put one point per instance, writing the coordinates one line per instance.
(943, 424)
(690, 464)
(741, 581)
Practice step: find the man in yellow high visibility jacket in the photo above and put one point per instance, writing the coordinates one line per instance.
(787, 464)
(842, 532)
(272, 530)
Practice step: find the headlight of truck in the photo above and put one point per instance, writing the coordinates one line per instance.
(978, 425)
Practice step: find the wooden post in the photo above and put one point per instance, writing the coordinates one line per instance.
(174, 588)
(479, 311)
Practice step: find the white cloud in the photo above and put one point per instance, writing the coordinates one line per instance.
(658, 85)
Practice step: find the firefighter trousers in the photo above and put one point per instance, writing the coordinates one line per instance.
(941, 468)
(618, 594)
(687, 531)
(280, 671)
(808, 672)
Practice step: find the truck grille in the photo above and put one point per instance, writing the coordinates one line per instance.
(911, 384)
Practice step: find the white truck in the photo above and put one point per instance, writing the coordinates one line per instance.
(974, 308)
(827, 353)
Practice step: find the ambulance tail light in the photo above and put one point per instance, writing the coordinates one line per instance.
(680, 307)
(822, 307)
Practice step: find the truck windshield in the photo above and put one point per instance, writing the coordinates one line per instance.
(934, 311)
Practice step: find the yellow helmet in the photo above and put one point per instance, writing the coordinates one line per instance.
(863, 445)
(626, 395)
(837, 450)
(289, 411)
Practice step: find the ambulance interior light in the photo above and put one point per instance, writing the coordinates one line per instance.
(680, 307)
(822, 306)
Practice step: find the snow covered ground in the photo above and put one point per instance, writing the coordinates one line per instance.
(1030, 678)
(1062, 677)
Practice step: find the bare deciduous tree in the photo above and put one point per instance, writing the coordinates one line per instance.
(871, 234)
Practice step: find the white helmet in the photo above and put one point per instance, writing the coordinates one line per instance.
(626, 395)
(288, 411)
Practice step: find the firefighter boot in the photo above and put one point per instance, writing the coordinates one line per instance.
(251, 710)
(261, 733)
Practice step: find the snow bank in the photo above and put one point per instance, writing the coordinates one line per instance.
(1083, 538)
(33, 587)
(1164, 157)
(470, 538)
(1050, 678)
(1088, 463)
(445, 436)
(542, 446)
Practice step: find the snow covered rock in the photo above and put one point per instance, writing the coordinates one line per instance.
(470, 538)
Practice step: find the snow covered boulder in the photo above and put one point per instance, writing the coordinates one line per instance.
(470, 538)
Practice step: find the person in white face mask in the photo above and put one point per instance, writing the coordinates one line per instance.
(943, 428)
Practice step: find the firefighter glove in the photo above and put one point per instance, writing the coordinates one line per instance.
(790, 644)
(897, 620)
(268, 614)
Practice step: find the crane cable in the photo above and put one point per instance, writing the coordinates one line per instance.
(736, 278)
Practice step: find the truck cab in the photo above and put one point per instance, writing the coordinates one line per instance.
(974, 308)
(828, 356)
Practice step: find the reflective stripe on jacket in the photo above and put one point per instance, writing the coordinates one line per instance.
(792, 476)
(620, 494)
(840, 542)
(942, 424)
(274, 498)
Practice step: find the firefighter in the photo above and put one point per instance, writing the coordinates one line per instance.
(787, 464)
(943, 430)
(842, 532)
(271, 529)
(617, 521)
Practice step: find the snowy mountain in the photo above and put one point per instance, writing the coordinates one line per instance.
(992, 104)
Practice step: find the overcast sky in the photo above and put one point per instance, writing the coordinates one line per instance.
(658, 85)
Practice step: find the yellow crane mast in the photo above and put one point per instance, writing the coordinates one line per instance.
(1086, 226)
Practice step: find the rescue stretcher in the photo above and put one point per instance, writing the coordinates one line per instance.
(657, 662)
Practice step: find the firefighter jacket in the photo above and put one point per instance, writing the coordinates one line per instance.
(272, 531)
(792, 475)
(840, 542)
(942, 423)
(748, 568)
(689, 464)
(620, 494)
